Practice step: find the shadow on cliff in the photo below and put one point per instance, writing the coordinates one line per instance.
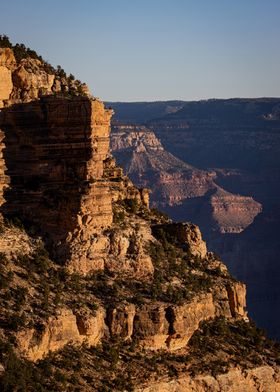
(197, 210)
(252, 256)
(45, 149)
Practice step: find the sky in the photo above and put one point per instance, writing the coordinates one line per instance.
(147, 50)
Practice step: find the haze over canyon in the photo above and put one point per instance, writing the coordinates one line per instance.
(215, 163)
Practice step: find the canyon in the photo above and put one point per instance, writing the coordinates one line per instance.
(178, 187)
(215, 163)
(98, 291)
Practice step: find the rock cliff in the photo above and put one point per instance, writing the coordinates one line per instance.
(234, 381)
(179, 188)
(24, 78)
(54, 151)
(97, 290)
(237, 140)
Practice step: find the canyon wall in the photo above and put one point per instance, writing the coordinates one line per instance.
(54, 150)
(115, 273)
(178, 188)
(237, 141)
(261, 378)
(25, 79)
(56, 165)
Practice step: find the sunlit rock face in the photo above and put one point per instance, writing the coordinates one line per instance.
(177, 187)
(28, 79)
(54, 152)
(235, 380)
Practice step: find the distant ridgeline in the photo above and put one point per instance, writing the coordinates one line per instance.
(216, 163)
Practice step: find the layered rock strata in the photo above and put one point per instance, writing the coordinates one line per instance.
(61, 330)
(54, 152)
(177, 187)
(157, 326)
(262, 378)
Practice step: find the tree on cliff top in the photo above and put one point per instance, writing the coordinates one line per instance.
(5, 42)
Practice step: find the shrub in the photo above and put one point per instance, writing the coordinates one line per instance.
(60, 72)
(16, 321)
(131, 205)
(159, 216)
(19, 295)
(37, 262)
(5, 42)
(14, 222)
(118, 217)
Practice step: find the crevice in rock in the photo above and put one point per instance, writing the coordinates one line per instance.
(231, 300)
(109, 319)
(170, 317)
(80, 325)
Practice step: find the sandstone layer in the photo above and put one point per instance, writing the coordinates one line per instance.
(155, 325)
(177, 187)
(29, 79)
(260, 379)
(54, 152)
(61, 330)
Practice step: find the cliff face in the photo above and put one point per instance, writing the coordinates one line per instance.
(122, 287)
(234, 381)
(179, 188)
(58, 168)
(28, 79)
(236, 140)
(55, 151)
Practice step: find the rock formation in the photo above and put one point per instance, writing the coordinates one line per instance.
(60, 178)
(119, 284)
(179, 188)
(28, 79)
(237, 141)
(234, 381)
(60, 330)
(56, 179)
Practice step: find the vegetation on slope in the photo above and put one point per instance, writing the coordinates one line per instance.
(115, 366)
(21, 52)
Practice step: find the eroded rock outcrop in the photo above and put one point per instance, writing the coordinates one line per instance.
(186, 235)
(56, 178)
(171, 327)
(63, 179)
(29, 78)
(120, 321)
(60, 330)
(179, 188)
(262, 378)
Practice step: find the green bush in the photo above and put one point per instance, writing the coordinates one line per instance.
(131, 205)
(19, 294)
(5, 42)
(118, 216)
(37, 262)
